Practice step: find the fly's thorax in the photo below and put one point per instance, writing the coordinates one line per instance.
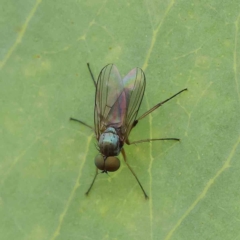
(109, 142)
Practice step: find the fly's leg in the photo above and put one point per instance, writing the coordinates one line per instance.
(155, 107)
(148, 112)
(95, 176)
(150, 140)
(95, 84)
(134, 174)
(83, 123)
(159, 105)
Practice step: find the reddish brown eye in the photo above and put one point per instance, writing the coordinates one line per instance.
(99, 162)
(111, 164)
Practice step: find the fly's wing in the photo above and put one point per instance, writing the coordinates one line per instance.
(110, 100)
(134, 87)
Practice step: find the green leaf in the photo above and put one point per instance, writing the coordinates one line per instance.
(47, 161)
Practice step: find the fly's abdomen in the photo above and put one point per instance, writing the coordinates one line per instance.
(109, 142)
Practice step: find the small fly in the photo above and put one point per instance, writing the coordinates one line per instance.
(117, 102)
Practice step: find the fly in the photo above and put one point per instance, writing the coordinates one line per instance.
(117, 102)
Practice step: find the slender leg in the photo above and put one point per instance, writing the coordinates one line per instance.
(150, 140)
(95, 83)
(155, 107)
(85, 124)
(95, 176)
(159, 105)
(134, 174)
(148, 112)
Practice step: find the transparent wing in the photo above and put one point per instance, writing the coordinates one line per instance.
(110, 101)
(134, 87)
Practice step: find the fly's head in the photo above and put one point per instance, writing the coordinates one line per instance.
(109, 146)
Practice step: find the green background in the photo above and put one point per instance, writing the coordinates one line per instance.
(46, 161)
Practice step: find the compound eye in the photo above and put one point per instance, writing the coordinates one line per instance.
(111, 164)
(99, 162)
